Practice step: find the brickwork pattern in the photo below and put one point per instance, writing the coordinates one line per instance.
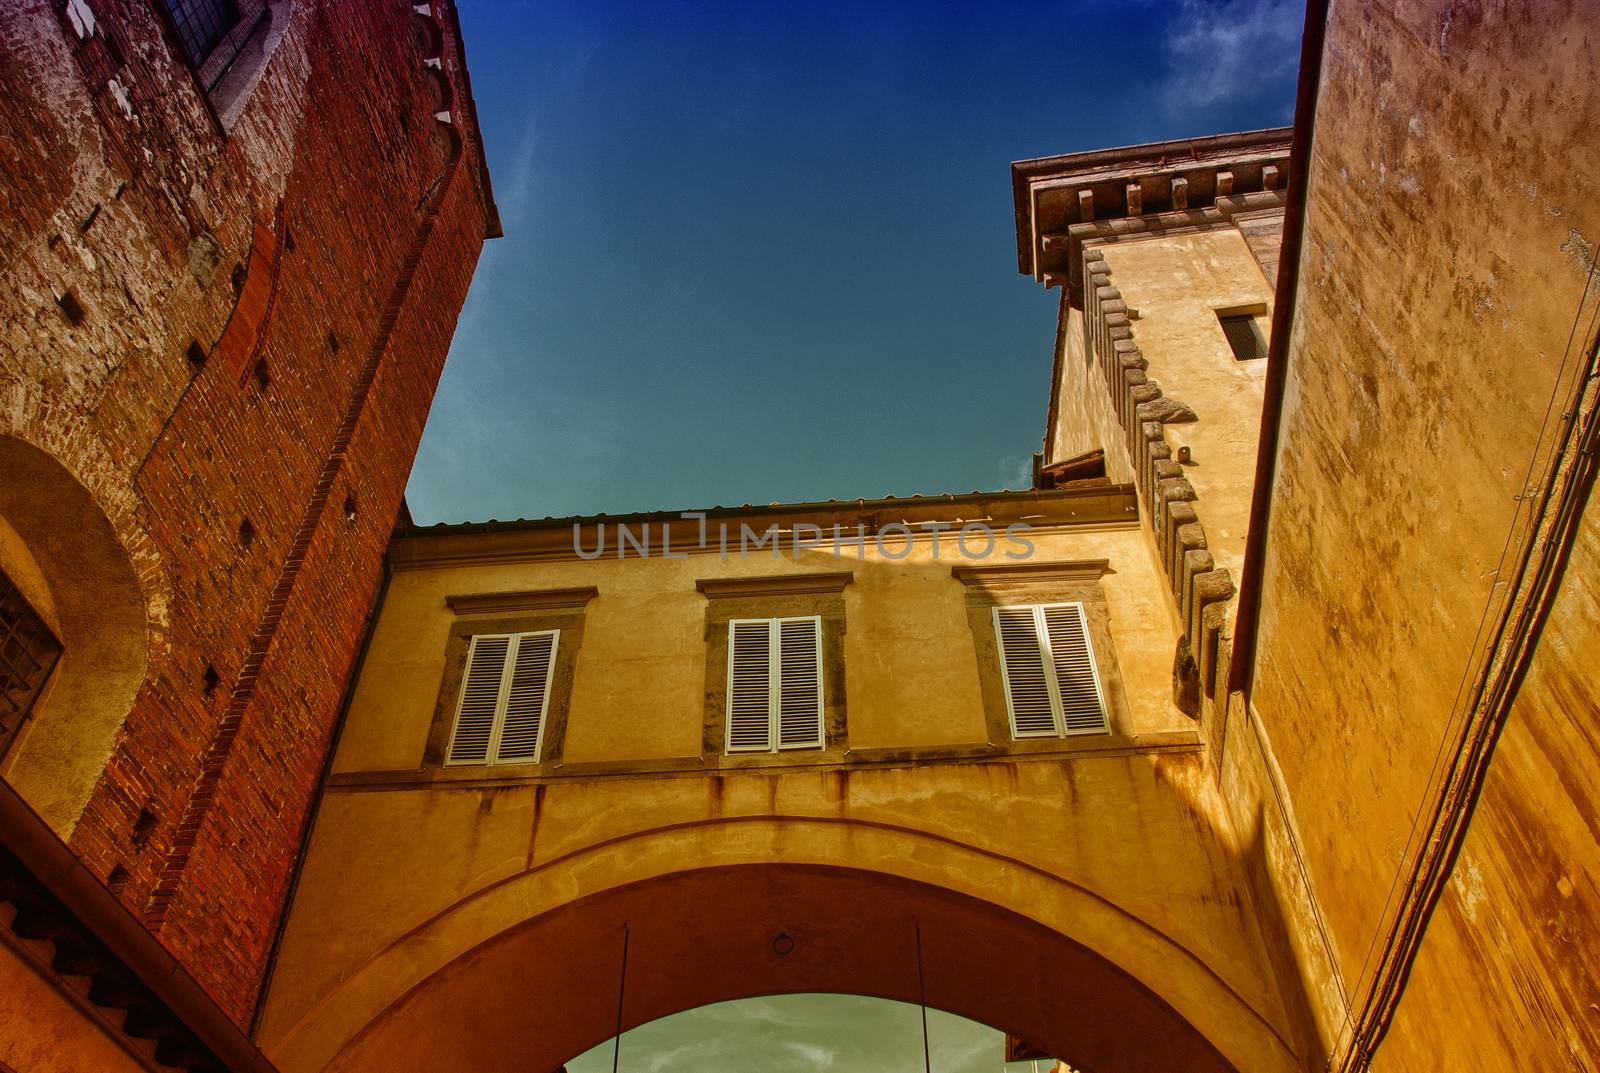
(141, 206)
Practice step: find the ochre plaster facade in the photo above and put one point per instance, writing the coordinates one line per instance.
(1343, 600)
(1116, 842)
(1424, 669)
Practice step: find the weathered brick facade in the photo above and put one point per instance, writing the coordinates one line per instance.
(257, 319)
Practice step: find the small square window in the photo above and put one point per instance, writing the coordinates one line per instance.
(505, 693)
(775, 684)
(1244, 335)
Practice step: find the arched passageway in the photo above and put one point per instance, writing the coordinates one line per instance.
(538, 994)
(61, 551)
(806, 1032)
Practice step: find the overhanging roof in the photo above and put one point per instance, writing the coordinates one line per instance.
(1052, 196)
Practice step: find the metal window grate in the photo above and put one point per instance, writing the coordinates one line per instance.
(201, 24)
(1244, 336)
(28, 651)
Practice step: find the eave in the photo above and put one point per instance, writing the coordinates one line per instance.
(1060, 200)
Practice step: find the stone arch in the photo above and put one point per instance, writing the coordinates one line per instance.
(1074, 973)
(714, 934)
(64, 554)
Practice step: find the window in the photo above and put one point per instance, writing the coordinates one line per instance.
(28, 651)
(1244, 335)
(774, 684)
(227, 44)
(504, 695)
(1047, 664)
(201, 25)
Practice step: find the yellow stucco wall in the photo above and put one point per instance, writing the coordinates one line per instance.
(41, 1031)
(1117, 841)
(1177, 283)
(638, 692)
(1445, 293)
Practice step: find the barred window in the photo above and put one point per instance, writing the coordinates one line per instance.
(28, 651)
(1244, 336)
(201, 25)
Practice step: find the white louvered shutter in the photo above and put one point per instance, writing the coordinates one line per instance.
(1083, 708)
(799, 683)
(749, 685)
(527, 696)
(1022, 669)
(479, 701)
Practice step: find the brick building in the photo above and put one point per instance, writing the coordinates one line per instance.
(1276, 755)
(234, 240)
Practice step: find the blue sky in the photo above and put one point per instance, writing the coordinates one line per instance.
(763, 252)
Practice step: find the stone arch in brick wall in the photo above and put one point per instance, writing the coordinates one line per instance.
(64, 555)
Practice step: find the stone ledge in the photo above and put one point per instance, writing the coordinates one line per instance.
(723, 588)
(530, 600)
(1084, 747)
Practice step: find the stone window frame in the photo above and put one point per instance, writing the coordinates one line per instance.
(1078, 581)
(530, 611)
(227, 75)
(1250, 313)
(776, 596)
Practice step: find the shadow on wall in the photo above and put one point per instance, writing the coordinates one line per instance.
(60, 551)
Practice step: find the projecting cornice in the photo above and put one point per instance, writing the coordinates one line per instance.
(1061, 201)
(485, 603)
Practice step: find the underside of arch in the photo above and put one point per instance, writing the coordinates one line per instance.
(77, 573)
(545, 991)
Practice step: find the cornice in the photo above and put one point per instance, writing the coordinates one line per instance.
(1143, 189)
(1012, 576)
(721, 588)
(530, 600)
(1099, 508)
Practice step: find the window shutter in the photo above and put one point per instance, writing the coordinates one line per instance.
(480, 698)
(799, 683)
(533, 665)
(1022, 670)
(749, 685)
(1077, 678)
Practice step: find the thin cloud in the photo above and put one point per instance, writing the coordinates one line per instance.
(519, 189)
(813, 1056)
(805, 1033)
(1230, 50)
(1016, 472)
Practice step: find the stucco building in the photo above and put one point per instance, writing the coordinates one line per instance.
(1255, 736)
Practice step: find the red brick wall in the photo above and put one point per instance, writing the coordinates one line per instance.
(339, 131)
